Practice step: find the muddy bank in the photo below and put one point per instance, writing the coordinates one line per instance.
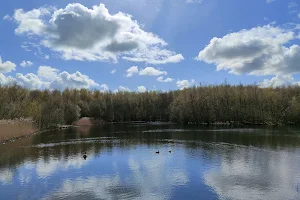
(15, 129)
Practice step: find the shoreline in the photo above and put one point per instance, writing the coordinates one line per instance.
(12, 129)
(18, 138)
(95, 123)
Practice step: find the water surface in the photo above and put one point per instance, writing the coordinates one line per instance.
(204, 163)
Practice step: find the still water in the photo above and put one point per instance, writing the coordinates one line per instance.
(122, 163)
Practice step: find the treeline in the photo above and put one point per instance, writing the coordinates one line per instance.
(203, 104)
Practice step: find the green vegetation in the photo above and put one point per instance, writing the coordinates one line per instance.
(202, 104)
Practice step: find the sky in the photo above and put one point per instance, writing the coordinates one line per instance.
(143, 45)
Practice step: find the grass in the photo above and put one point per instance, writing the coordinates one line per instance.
(17, 128)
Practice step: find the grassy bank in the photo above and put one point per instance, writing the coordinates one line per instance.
(17, 128)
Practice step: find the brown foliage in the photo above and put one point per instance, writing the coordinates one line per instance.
(203, 104)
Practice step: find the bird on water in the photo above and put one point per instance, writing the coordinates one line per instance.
(157, 152)
(84, 154)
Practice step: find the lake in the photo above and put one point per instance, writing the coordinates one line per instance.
(204, 163)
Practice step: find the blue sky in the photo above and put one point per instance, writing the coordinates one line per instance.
(157, 44)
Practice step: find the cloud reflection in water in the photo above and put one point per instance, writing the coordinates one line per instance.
(248, 173)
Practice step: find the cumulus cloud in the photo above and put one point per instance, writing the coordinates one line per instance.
(142, 89)
(279, 80)
(151, 71)
(30, 80)
(47, 73)
(122, 89)
(80, 33)
(30, 22)
(6, 66)
(148, 71)
(104, 88)
(161, 79)
(26, 63)
(258, 51)
(51, 78)
(132, 71)
(72, 81)
(6, 80)
(113, 71)
(182, 84)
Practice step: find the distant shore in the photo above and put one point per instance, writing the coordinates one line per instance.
(11, 130)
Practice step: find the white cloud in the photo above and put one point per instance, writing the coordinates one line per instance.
(47, 73)
(142, 89)
(240, 174)
(30, 80)
(6, 80)
(148, 71)
(270, 1)
(7, 17)
(151, 71)
(113, 71)
(72, 81)
(48, 77)
(182, 84)
(194, 1)
(80, 33)
(35, 48)
(258, 51)
(7, 66)
(26, 63)
(146, 174)
(278, 80)
(46, 168)
(31, 22)
(156, 57)
(122, 89)
(161, 79)
(292, 4)
(104, 88)
(6, 176)
(132, 71)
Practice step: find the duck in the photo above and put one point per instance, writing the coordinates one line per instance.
(84, 157)
(157, 152)
(170, 151)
